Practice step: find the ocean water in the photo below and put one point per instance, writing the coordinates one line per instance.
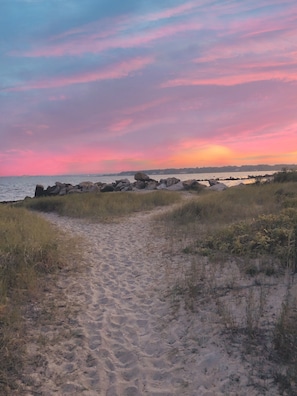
(19, 187)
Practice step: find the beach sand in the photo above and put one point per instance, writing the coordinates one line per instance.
(119, 331)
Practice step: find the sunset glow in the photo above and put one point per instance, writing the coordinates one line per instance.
(100, 87)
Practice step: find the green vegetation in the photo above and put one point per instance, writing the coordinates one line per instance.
(253, 221)
(29, 249)
(102, 206)
(240, 251)
(285, 176)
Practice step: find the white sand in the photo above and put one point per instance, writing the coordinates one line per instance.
(130, 337)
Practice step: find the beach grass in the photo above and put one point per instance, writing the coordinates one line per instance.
(253, 227)
(102, 206)
(30, 248)
(248, 221)
(241, 244)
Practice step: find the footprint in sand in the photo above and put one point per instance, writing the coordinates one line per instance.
(123, 341)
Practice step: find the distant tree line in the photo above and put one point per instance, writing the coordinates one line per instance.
(212, 169)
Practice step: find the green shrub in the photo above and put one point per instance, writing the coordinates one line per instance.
(285, 176)
(272, 235)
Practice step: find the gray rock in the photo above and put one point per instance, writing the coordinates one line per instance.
(161, 186)
(140, 184)
(170, 181)
(107, 188)
(218, 187)
(39, 191)
(213, 182)
(86, 186)
(63, 191)
(151, 185)
(123, 185)
(176, 187)
(55, 190)
(141, 176)
(193, 184)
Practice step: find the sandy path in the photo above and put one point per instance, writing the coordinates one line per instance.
(126, 339)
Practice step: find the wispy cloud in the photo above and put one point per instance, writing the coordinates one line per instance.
(106, 86)
(116, 71)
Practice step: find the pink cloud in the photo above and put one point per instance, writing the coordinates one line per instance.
(116, 71)
(94, 44)
(146, 106)
(170, 12)
(231, 80)
(121, 125)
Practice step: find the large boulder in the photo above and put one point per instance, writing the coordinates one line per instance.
(55, 190)
(170, 181)
(86, 186)
(107, 188)
(176, 187)
(140, 184)
(123, 185)
(151, 185)
(39, 191)
(141, 176)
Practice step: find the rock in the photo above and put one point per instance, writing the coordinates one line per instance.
(140, 184)
(123, 185)
(218, 187)
(54, 190)
(176, 187)
(193, 184)
(39, 191)
(86, 186)
(151, 185)
(213, 182)
(107, 188)
(141, 176)
(161, 186)
(170, 181)
(63, 191)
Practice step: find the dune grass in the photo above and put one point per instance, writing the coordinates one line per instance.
(30, 248)
(102, 206)
(249, 220)
(241, 246)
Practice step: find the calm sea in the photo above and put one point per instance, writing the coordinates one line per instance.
(18, 187)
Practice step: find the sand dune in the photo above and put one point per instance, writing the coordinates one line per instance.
(121, 335)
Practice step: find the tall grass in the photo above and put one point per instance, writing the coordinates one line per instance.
(29, 248)
(247, 221)
(244, 242)
(235, 204)
(102, 206)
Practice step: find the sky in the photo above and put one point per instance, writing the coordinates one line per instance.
(100, 86)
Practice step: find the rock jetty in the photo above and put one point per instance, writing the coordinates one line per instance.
(142, 182)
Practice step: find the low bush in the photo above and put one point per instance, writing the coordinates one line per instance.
(285, 176)
(267, 235)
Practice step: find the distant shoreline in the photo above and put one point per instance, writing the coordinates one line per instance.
(211, 169)
(230, 178)
(178, 171)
